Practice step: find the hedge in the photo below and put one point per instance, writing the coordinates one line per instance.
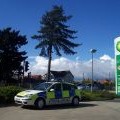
(97, 95)
(7, 93)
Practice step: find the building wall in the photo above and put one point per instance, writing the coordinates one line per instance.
(69, 78)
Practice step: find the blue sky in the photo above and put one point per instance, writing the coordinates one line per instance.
(97, 22)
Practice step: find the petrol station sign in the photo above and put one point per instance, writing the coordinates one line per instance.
(117, 64)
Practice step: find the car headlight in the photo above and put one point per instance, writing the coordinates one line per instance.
(28, 96)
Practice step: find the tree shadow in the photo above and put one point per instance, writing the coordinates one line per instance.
(8, 105)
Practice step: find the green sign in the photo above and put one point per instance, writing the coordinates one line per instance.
(117, 68)
(118, 73)
(118, 46)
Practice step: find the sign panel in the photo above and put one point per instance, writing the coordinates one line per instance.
(117, 64)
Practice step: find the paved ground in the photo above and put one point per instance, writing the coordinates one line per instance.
(97, 110)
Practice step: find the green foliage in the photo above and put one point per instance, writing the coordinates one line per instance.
(55, 34)
(97, 95)
(7, 93)
(10, 55)
(107, 95)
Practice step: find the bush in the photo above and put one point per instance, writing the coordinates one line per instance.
(86, 96)
(7, 93)
(97, 95)
(107, 95)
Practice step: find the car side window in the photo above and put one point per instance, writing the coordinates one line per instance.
(66, 87)
(74, 87)
(56, 87)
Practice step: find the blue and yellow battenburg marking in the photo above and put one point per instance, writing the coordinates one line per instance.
(59, 94)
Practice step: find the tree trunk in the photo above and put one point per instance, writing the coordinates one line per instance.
(49, 62)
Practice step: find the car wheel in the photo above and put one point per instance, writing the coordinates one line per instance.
(75, 101)
(40, 103)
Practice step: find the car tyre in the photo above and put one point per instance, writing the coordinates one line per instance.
(40, 103)
(75, 101)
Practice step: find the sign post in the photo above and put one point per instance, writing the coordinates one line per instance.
(117, 64)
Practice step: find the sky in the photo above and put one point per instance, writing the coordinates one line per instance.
(97, 23)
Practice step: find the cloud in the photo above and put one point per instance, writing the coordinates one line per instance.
(103, 66)
(105, 58)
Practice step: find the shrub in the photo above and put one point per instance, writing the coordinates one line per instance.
(86, 96)
(7, 93)
(96, 95)
(107, 95)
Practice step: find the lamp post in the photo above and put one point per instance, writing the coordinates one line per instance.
(92, 52)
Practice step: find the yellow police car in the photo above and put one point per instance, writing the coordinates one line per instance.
(49, 93)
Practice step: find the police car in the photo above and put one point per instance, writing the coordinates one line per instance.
(49, 93)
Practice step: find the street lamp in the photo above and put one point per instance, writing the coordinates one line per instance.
(92, 52)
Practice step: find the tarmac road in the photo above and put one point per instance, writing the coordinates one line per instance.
(96, 110)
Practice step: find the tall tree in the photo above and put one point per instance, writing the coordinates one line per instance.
(10, 54)
(55, 35)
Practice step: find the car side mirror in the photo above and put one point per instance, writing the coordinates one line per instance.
(52, 90)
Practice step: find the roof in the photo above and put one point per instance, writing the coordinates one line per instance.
(60, 73)
(61, 82)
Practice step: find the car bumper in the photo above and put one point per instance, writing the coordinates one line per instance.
(23, 101)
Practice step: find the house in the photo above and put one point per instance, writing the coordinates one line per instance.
(65, 76)
(30, 81)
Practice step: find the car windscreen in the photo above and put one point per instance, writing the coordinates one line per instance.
(42, 86)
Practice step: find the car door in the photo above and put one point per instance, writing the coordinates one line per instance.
(54, 94)
(66, 93)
